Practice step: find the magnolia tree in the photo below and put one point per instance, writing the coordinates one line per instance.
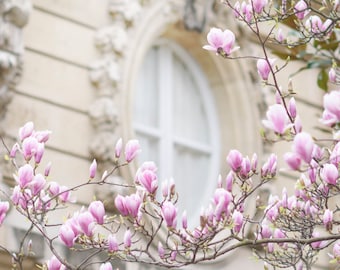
(290, 231)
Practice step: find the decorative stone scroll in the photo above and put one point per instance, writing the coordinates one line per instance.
(105, 74)
(13, 17)
(112, 42)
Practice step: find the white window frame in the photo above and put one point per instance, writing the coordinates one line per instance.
(165, 132)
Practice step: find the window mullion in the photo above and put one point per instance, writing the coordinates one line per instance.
(166, 99)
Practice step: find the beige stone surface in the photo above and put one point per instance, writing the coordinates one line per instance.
(71, 130)
(90, 12)
(60, 38)
(56, 82)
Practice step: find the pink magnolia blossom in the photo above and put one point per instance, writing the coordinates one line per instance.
(42, 136)
(184, 220)
(272, 213)
(247, 11)
(132, 148)
(332, 75)
(73, 224)
(121, 205)
(105, 266)
(67, 235)
(245, 167)
(318, 244)
(278, 233)
(173, 255)
(229, 181)
(118, 148)
(169, 213)
(29, 147)
(237, 9)
(292, 107)
(65, 194)
(277, 119)
(314, 24)
(39, 152)
(14, 150)
(220, 40)
(303, 146)
(301, 9)
(55, 264)
(54, 188)
(165, 188)
(265, 232)
(269, 168)
(335, 155)
(329, 173)
(26, 130)
(86, 223)
(147, 177)
(127, 239)
(112, 243)
(223, 197)
(327, 26)
(293, 160)
(97, 210)
(37, 184)
(4, 206)
(327, 219)
(254, 161)
(298, 124)
(259, 5)
(161, 251)
(133, 204)
(336, 250)
(48, 169)
(25, 175)
(279, 35)
(329, 119)
(237, 218)
(234, 159)
(331, 103)
(16, 195)
(264, 68)
(93, 169)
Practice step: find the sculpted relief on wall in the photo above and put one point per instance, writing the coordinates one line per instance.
(13, 17)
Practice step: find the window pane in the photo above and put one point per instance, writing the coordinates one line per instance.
(190, 118)
(146, 110)
(191, 175)
(150, 148)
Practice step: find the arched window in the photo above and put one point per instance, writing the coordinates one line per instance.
(175, 120)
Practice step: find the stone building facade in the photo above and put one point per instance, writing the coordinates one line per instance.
(76, 69)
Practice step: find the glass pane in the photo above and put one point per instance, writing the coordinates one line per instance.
(146, 99)
(192, 182)
(190, 119)
(150, 148)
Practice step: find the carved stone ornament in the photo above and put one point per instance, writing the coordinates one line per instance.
(13, 17)
(104, 114)
(105, 74)
(128, 9)
(111, 38)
